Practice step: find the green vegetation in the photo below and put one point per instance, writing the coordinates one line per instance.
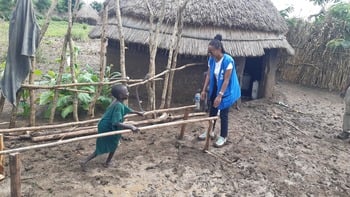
(86, 94)
(56, 29)
(96, 5)
(59, 29)
(6, 7)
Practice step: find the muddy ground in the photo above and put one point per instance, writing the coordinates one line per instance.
(273, 150)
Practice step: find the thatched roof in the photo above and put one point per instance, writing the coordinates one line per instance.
(87, 14)
(247, 27)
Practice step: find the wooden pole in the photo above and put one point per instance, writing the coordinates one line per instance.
(2, 158)
(207, 140)
(183, 127)
(93, 129)
(121, 37)
(32, 94)
(16, 130)
(175, 54)
(15, 173)
(15, 110)
(103, 63)
(64, 86)
(2, 102)
(170, 57)
(150, 127)
(240, 64)
(72, 59)
(64, 135)
(270, 72)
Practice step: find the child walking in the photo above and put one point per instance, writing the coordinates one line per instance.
(112, 120)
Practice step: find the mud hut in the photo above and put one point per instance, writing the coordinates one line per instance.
(87, 14)
(253, 33)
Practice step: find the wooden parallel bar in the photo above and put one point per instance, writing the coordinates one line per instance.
(150, 127)
(16, 130)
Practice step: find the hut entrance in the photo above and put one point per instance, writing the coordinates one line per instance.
(253, 71)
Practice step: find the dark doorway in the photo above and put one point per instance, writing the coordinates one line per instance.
(253, 71)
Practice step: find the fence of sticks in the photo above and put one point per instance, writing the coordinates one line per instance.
(73, 87)
(168, 118)
(58, 134)
(314, 64)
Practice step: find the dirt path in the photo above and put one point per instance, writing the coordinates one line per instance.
(273, 151)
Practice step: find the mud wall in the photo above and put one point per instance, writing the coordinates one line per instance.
(186, 81)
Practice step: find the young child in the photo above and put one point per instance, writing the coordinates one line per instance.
(112, 120)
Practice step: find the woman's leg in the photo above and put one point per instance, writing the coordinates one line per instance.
(224, 122)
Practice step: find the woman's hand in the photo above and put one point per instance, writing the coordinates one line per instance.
(217, 101)
(203, 95)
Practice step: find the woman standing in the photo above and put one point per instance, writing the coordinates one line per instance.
(224, 89)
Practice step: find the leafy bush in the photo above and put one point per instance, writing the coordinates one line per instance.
(6, 7)
(65, 97)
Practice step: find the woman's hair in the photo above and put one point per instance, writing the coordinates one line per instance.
(216, 43)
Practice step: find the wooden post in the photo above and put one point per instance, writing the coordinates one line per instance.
(15, 110)
(183, 127)
(240, 65)
(207, 140)
(2, 158)
(15, 173)
(2, 102)
(32, 94)
(103, 61)
(270, 72)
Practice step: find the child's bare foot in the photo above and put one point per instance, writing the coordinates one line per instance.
(108, 164)
(83, 166)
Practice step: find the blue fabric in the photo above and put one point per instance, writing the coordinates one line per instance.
(233, 90)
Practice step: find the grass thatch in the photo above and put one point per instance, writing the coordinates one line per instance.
(87, 14)
(248, 27)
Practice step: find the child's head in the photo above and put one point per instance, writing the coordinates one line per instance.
(120, 92)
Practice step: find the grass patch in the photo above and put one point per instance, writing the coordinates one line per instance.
(56, 29)
(59, 29)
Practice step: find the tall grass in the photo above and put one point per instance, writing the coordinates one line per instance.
(59, 29)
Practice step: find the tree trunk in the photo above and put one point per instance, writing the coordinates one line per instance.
(15, 110)
(102, 61)
(33, 65)
(32, 94)
(72, 59)
(153, 46)
(170, 57)
(121, 39)
(174, 58)
(59, 79)
(2, 102)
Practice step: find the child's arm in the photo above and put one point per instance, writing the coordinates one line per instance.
(137, 112)
(127, 126)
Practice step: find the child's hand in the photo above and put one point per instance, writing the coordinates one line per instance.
(134, 129)
(141, 113)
